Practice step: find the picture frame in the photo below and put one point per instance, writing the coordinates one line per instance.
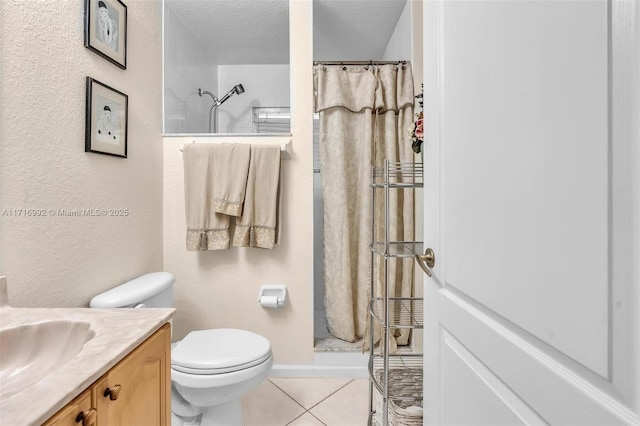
(107, 120)
(105, 30)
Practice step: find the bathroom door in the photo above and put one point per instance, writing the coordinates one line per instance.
(532, 208)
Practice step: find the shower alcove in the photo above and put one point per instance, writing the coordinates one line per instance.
(403, 41)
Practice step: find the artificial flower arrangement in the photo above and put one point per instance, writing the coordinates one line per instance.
(416, 132)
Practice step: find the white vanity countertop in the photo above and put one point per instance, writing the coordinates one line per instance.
(117, 332)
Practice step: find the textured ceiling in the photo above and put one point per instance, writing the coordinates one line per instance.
(238, 31)
(354, 30)
(257, 31)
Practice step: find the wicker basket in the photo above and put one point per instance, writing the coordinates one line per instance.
(405, 397)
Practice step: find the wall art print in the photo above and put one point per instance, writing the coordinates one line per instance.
(106, 119)
(105, 29)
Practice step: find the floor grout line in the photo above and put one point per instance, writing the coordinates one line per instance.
(317, 403)
(317, 418)
(308, 410)
(303, 395)
(290, 397)
(329, 396)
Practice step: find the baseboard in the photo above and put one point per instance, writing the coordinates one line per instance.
(324, 371)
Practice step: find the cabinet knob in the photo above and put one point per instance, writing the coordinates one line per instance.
(88, 418)
(112, 392)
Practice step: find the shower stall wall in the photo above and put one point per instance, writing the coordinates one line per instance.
(192, 104)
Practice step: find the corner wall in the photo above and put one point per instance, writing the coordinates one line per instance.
(406, 41)
(64, 261)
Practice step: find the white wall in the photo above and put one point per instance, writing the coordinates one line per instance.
(220, 289)
(265, 86)
(406, 41)
(64, 261)
(399, 46)
(187, 67)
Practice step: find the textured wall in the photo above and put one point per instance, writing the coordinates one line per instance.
(64, 261)
(220, 289)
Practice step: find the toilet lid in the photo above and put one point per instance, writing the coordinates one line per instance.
(219, 351)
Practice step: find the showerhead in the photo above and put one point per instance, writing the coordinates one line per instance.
(237, 89)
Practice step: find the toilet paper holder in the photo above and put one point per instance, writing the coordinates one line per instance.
(272, 295)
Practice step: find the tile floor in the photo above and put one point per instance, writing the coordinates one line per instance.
(281, 401)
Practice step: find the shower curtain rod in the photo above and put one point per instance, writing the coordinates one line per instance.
(359, 62)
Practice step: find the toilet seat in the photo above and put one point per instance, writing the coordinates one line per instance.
(219, 351)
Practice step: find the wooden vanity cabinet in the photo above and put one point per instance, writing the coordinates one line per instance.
(69, 415)
(136, 391)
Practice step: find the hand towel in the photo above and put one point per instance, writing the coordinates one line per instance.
(257, 225)
(230, 169)
(215, 177)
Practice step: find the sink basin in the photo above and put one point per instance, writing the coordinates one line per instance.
(29, 352)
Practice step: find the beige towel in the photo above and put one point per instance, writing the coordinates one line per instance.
(215, 178)
(231, 165)
(257, 225)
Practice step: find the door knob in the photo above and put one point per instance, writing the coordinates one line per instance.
(426, 261)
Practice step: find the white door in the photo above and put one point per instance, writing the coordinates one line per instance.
(532, 196)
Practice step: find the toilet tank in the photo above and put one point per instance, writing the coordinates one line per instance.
(154, 290)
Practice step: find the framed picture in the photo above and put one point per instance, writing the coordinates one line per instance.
(105, 29)
(107, 120)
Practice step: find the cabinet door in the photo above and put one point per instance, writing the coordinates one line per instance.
(137, 390)
(69, 415)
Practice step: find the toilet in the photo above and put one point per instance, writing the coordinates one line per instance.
(210, 369)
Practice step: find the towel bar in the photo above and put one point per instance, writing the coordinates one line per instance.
(285, 147)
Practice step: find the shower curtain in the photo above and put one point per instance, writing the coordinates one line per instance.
(365, 116)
